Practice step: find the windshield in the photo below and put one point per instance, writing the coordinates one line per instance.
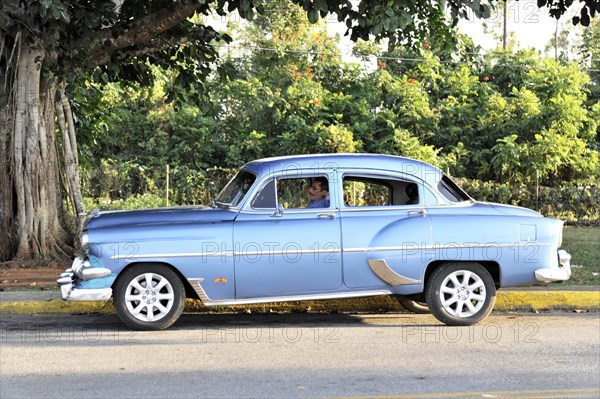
(236, 189)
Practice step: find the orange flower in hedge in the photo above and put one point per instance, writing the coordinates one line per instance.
(486, 79)
(309, 69)
(294, 69)
(316, 102)
(412, 80)
(309, 75)
(426, 45)
(381, 64)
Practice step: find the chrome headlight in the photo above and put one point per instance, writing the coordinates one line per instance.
(85, 242)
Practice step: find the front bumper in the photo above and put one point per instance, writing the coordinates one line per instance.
(82, 270)
(560, 273)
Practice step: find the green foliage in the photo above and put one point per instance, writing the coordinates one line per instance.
(138, 201)
(573, 204)
(525, 116)
(516, 121)
(117, 183)
(589, 50)
(583, 243)
(406, 144)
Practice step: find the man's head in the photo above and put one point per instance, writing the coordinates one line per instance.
(318, 188)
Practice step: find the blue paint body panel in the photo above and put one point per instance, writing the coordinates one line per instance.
(239, 252)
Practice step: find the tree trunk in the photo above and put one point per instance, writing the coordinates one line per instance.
(7, 232)
(33, 194)
(40, 193)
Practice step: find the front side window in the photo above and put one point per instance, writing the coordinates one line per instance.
(266, 198)
(294, 193)
(235, 190)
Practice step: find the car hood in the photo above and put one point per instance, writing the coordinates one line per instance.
(159, 216)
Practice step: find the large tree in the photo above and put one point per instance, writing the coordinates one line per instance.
(45, 44)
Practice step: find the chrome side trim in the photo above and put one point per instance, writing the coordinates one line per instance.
(384, 272)
(196, 284)
(389, 208)
(291, 211)
(231, 253)
(174, 255)
(293, 251)
(440, 246)
(267, 251)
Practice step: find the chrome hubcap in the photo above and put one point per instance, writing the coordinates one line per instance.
(462, 293)
(149, 297)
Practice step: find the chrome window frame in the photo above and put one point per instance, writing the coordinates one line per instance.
(389, 175)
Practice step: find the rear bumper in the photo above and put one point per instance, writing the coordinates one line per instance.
(560, 273)
(82, 270)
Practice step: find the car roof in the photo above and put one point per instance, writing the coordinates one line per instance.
(343, 161)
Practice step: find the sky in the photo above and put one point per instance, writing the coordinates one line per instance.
(532, 27)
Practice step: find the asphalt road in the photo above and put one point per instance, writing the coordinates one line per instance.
(301, 355)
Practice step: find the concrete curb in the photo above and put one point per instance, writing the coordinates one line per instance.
(531, 300)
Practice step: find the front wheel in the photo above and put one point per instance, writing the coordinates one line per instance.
(149, 297)
(460, 294)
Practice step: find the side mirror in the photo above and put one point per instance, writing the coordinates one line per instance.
(278, 212)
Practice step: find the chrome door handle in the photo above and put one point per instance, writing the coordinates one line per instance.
(420, 212)
(325, 215)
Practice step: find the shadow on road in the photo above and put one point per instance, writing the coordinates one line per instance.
(191, 321)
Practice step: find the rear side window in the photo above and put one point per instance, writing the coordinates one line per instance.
(366, 192)
(451, 191)
(381, 192)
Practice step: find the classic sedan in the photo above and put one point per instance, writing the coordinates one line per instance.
(314, 227)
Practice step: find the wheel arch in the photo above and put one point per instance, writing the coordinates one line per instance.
(492, 267)
(189, 291)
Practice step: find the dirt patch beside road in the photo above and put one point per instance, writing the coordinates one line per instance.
(31, 274)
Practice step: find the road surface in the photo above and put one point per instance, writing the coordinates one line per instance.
(301, 356)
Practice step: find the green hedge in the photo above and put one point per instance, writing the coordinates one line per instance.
(575, 205)
(113, 185)
(116, 185)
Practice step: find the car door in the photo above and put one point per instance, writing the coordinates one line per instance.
(283, 248)
(384, 219)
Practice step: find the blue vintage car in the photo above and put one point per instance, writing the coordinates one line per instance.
(316, 227)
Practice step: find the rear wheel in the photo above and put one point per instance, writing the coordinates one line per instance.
(460, 294)
(149, 297)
